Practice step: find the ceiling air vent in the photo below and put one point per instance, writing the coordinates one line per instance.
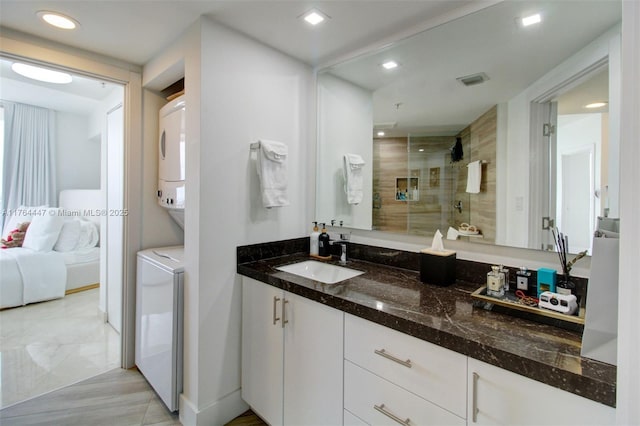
(385, 125)
(473, 79)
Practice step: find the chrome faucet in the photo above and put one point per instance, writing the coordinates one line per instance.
(343, 254)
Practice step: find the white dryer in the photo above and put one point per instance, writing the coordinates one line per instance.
(171, 158)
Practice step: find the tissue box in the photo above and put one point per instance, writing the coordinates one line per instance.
(438, 267)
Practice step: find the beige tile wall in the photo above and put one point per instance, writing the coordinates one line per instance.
(441, 182)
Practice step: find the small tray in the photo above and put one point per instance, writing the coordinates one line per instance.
(468, 233)
(511, 301)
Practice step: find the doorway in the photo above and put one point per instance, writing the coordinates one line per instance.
(69, 339)
(570, 134)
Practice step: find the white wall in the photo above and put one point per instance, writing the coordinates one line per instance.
(628, 383)
(237, 91)
(337, 136)
(77, 156)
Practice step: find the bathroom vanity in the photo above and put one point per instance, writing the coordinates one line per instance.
(383, 347)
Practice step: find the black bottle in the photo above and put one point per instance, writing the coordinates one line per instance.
(324, 248)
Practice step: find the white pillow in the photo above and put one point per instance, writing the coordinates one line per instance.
(20, 215)
(89, 235)
(69, 236)
(44, 230)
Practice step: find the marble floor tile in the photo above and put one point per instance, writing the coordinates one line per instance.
(49, 345)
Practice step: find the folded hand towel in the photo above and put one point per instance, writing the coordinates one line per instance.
(272, 171)
(353, 180)
(474, 177)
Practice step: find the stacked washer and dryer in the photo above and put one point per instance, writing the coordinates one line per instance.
(159, 286)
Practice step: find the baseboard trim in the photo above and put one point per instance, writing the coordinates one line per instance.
(83, 288)
(220, 412)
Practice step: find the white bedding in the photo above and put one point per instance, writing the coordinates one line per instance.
(30, 276)
(81, 256)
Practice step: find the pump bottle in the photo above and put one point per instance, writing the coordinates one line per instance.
(313, 240)
(324, 248)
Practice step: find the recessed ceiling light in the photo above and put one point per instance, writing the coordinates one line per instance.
(421, 150)
(531, 19)
(595, 105)
(314, 17)
(58, 20)
(380, 133)
(389, 65)
(41, 74)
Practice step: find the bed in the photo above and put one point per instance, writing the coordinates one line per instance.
(61, 256)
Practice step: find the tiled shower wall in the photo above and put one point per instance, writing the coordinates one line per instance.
(440, 183)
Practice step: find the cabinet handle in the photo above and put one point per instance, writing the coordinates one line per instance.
(284, 312)
(392, 416)
(275, 302)
(383, 353)
(474, 398)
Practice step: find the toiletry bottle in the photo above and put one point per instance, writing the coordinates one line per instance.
(505, 271)
(313, 240)
(495, 282)
(523, 281)
(324, 249)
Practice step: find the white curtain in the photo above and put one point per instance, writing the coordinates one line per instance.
(29, 157)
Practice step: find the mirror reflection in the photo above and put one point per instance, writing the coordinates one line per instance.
(481, 125)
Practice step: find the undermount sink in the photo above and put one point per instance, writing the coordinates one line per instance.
(322, 272)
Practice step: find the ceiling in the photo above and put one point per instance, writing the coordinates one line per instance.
(423, 97)
(136, 31)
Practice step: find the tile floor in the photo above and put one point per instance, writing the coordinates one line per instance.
(116, 398)
(49, 345)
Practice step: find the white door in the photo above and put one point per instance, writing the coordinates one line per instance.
(114, 216)
(313, 362)
(262, 341)
(577, 198)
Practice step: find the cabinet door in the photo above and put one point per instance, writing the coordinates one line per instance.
(500, 397)
(313, 363)
(262, 351)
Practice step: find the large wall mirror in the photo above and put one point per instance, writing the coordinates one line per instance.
(497, 129)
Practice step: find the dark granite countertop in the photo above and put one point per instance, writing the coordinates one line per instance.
(396, 298)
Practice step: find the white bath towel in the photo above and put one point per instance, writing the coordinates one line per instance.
(353, 180)
(474, 177)
(272, 171)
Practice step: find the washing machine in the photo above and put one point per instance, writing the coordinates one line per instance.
(159, 320)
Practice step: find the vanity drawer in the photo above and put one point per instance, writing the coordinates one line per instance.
(436, 374)
(377, 401)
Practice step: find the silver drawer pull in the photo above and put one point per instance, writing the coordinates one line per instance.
(275, 302)
(392, 416)
(383, 353)
(474, 398)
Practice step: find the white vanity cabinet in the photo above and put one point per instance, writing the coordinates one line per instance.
(500, 397)
(292, 357)
(391, 377)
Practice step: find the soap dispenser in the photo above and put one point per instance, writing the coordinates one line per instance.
(313, 240)
(324, 248)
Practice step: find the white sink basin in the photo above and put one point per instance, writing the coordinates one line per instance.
(318, 271)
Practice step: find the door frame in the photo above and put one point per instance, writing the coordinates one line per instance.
(542, 111)
(45, 53)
